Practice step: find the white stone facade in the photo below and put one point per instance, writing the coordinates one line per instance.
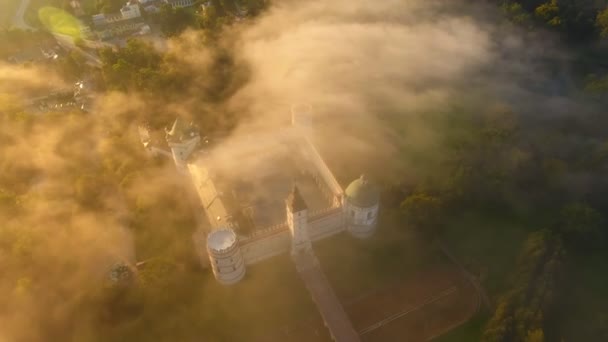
(361, 221)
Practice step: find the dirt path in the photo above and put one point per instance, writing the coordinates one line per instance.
(18, 20)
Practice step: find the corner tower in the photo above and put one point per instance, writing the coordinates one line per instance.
(361, 207)
(225, 256)
(297, 220)
(182, 138)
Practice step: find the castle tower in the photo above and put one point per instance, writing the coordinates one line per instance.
(297, 220)
(225, 256)
(182, 139)
(361, 207)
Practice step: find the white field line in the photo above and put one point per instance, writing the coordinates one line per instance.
(407, 311)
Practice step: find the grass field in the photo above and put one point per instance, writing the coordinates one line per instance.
(487, 245)
(262, 307)
(468, 332)
(394, 273)
(585, 308)
(355, 267)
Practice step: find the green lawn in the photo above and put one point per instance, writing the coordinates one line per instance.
(41, 12)
(197, 308)
(355, 267)
(487, 245)
(585, 310)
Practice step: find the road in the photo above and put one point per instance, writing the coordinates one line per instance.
(18, 20)
(330, 308)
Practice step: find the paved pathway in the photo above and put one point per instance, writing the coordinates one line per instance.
(336, 320)
(18, 20)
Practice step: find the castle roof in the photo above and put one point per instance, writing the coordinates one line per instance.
(181, 131)
(295, 202)
(362, 193)
(221, 239)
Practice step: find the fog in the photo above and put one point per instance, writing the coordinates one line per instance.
(370, 70)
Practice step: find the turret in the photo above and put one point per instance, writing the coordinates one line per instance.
(362, 201)
(297, 220)
(225, 256)
(182, 139)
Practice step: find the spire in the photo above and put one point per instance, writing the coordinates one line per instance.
(295, 202)
(363, 179)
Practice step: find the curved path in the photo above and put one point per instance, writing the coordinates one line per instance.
(18, 20)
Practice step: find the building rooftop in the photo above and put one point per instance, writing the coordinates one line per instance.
(181, 131)
(107, 24)
(362, 193)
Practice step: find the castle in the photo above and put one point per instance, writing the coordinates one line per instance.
(264, 194)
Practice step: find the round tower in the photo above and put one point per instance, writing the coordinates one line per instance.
(362, 200)
(225, 256)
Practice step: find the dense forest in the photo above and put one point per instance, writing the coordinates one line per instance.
(78, 182)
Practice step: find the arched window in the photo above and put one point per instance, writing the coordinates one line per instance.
(369, 215)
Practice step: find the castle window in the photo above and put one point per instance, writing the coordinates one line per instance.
(369, 215)
(352, 213)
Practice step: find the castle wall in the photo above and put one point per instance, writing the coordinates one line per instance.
(324, 171)
(157, 151)
(200, 242)
(325, 224)
(256, 249)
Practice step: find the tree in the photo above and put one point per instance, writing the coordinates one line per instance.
(549, 12)
(516, 13)
(524, 310)
(580, 224)
(174, 21)
(601, 22)
(209, 19)
(109, 6)
(536, 335)
(596, 85)
(422, 212)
